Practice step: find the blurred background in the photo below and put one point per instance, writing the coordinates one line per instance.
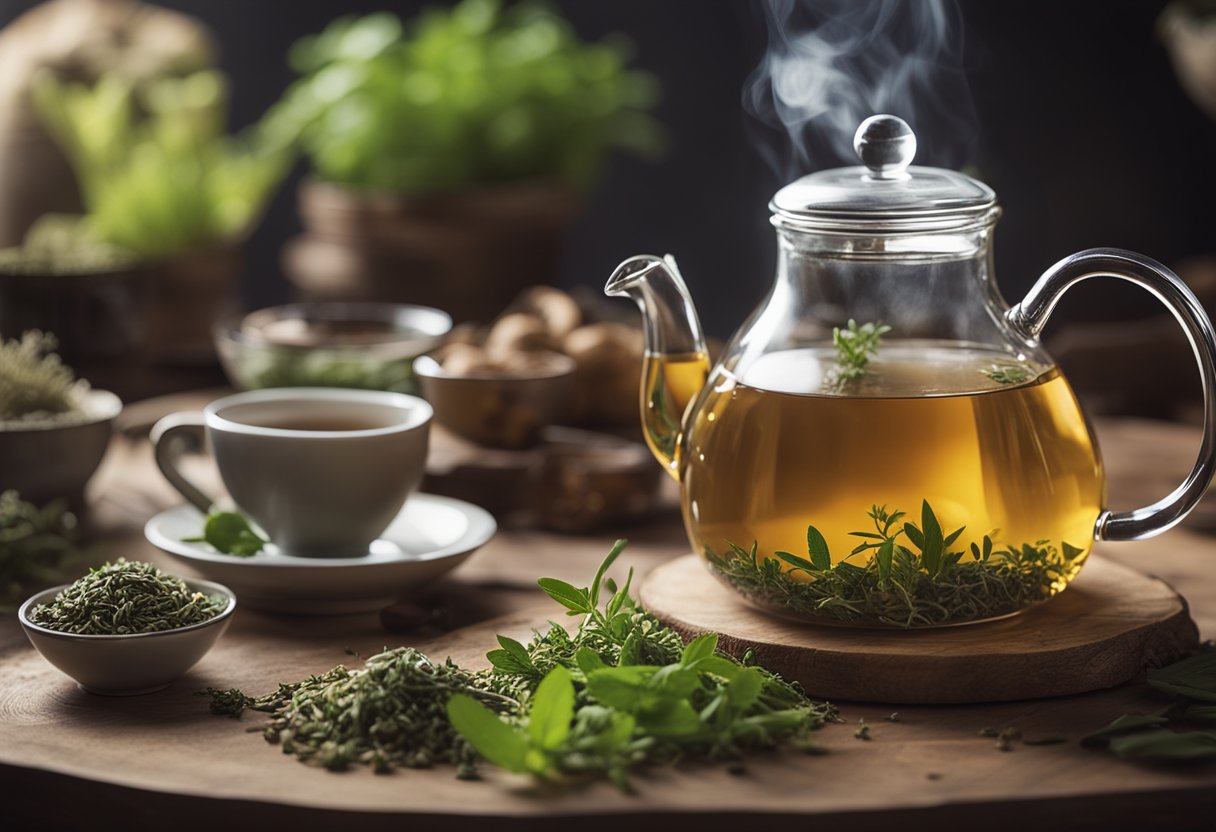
(1078, 119)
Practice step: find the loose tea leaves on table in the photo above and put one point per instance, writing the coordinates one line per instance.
(620, 691)
(913, 578)
(125, 598)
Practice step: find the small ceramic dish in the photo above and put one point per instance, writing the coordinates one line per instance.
(128, 665)
(362, 345)
(499, 410)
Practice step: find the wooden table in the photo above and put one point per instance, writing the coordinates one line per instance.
(71, 760)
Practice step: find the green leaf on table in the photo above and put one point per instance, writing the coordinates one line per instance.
(569, 596)
(1124, 725)
(492, 738)
(231, 534)
(1161, 744)
(552, 710)
(588, 660)
(1194, 677)
(744, 689)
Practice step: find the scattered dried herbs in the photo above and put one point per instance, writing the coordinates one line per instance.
(37, 545)
(914, 579)
(124, 598)
(620, 691)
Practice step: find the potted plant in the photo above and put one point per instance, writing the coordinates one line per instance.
(162, 182)
(54, 429)
(448, 156)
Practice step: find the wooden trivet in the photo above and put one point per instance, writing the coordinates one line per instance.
(1102, 631)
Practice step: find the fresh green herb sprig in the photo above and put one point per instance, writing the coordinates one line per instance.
(1184, 730)
(914, 578)
(230, 533)
(855, 346)
(1008, 373)
(37, 545)
(620, 691)
(125, 598)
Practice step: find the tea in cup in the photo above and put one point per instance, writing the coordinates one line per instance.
(322, 471)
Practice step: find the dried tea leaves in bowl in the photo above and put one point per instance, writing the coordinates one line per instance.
(126, 598)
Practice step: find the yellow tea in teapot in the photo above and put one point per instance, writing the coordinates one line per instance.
(956, 437)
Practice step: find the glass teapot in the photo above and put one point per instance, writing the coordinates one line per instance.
(884, 442)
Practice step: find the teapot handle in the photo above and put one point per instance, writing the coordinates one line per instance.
(1028, 318)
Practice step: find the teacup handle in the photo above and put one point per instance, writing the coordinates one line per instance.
(172, 437)
(1028, 318)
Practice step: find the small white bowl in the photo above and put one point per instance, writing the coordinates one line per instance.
(127, 665)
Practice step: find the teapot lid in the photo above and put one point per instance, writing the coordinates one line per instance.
(885, 193)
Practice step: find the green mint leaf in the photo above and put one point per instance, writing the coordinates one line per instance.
(674, 681)
(617, 548)
(1160, 744)
(588, 660)
(507, 662)
(570, 597)
(230, 533)
(744, 690)
(1123, 725)
(718, 666)
(517, 650)
(671, 719)
(1194, 677)
(817, 549)
(500, 743)
(617, 690)
(552, 710)
(699, 648)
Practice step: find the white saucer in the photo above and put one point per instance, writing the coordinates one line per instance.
(431, 536)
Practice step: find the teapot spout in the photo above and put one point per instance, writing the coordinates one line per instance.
(677, 362)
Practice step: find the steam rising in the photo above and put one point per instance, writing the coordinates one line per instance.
(831, 63)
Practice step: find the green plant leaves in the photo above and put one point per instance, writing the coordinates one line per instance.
(512, 658)
(494, 739)
(817, 549)
(1165, 745)
(571, 597)
(1194, 677)
(231, 534)
(934, 545)
(552, 710)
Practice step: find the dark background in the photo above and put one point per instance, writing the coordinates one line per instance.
(1083, 132)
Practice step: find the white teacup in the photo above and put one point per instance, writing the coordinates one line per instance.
(323, 471)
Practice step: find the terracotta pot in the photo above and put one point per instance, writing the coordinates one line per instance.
(189, 293)
(468, 253)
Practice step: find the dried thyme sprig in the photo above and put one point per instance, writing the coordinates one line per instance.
(914, 579)
(124, 598)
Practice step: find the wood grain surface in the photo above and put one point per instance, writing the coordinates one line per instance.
(70, 760)
(1105, 629)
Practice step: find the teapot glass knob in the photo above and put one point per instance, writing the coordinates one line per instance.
(885, 144)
